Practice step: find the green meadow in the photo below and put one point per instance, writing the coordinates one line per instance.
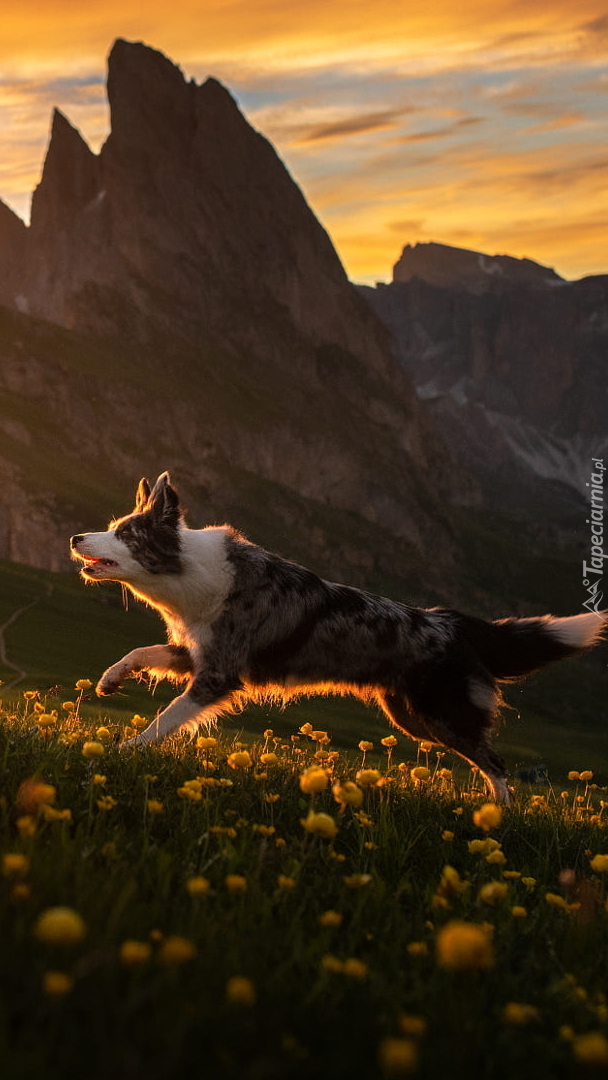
(284, 909)
(215, 908)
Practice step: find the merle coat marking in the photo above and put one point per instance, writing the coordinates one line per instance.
(244, 624)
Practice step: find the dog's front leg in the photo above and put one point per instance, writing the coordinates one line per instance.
(160, 659)
(209, 692)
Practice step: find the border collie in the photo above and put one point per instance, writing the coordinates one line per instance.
(244, 624)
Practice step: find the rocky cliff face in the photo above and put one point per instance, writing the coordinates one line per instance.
(13, 240)
(511, 363)
(183, 308)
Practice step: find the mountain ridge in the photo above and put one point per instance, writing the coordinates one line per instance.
(182, 307)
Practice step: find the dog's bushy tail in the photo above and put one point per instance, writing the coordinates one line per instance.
(510, 648)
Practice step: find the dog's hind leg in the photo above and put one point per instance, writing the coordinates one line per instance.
(467, 736)
(397, 711)
(161, 660)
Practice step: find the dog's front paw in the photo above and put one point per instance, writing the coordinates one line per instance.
(111, 681)
(136, 742)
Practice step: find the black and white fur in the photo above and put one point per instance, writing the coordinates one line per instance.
(244, 624)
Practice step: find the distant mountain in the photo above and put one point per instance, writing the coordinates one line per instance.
(512, 362)
(175, 303)
(450, 267)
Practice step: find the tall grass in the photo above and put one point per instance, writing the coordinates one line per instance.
(230, 914)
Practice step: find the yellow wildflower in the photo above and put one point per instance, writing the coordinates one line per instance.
(591, 1048)
(60, 926)
(103, 734)
(367, 777)
(198, 885)
(14, 864)
(447, 836)
(366, 746)
(529, 882)
(493, 892)
(286, 883)
(155, 806)
(587, 775)
(483, 847)
(450, 886)
(389, 741)
(271, 797)
(488, 816)
(192, 790)
(176, 950)
(421, 774)
(573, 775)
(56, 983)
(517, 1013)
(355, 881)
(320, 825)
(355, 969)
(206, 742)
(496, 858)
(83, 684)
(98, 780)
(599, 863)
(26, 825)
(519, 912)
(397, 1057)
(106, 802)
(348, 794)
(33, 794)
(330, 918)
(132, 953)
(49, 813)
(412, 1025)
(558, 901)
(320, 737)
(46, 720)
(240, 991)
(462, 946)
(306, 729)
(93, 749)
(240, 759)
(418, 948)
(313, 780)
(269, 759)
(236, 883)
(264, 830)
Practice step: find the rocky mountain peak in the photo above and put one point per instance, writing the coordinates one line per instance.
(451, 267)
(70, 179)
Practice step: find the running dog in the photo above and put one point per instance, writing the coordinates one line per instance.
(246, 625)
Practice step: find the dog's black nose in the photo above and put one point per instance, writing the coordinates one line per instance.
(74, 542)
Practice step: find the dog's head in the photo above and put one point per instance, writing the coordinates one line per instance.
(146, 541)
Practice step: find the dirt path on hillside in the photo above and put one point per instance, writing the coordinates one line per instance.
(20, 674)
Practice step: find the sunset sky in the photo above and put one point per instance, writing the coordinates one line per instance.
(481, 124)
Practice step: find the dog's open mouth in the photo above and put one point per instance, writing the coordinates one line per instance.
(91, 563)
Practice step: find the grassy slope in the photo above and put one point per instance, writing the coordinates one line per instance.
(326, 997)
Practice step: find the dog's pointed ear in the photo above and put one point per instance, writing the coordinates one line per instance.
(164, 502)
(142, 495)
